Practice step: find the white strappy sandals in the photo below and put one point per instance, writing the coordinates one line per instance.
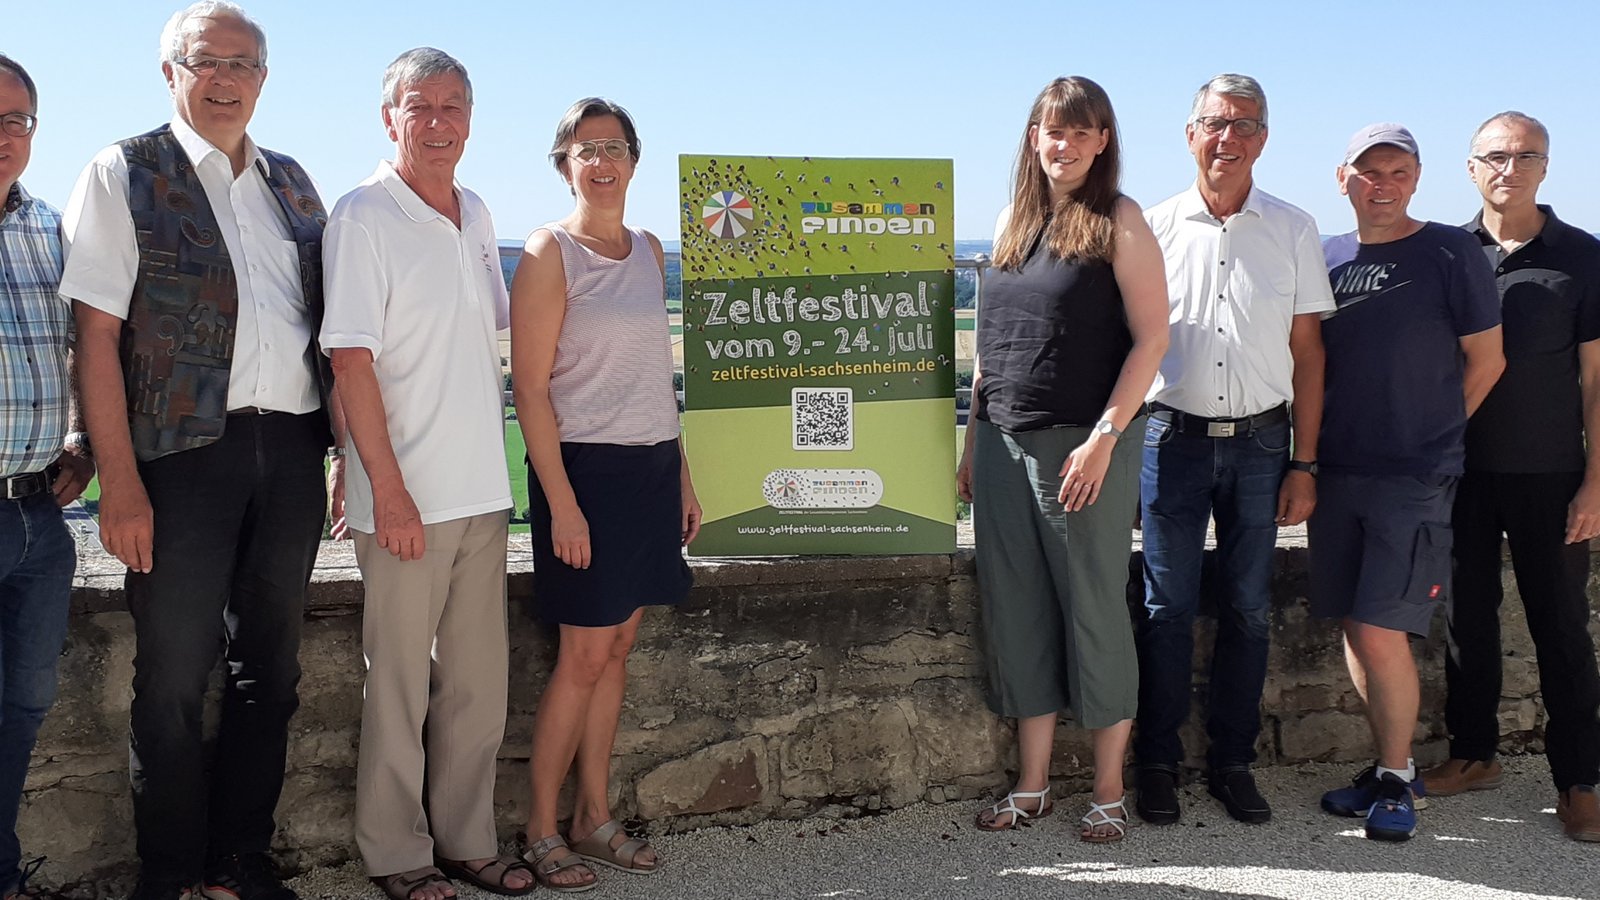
(989, 819)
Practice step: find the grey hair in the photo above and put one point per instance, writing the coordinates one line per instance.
(175, 36)
(1511, 115)
(587, 108)
(15, 70)
(1229, 84)
(420, 64)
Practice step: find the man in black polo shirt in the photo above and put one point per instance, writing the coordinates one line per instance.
(1530, 478)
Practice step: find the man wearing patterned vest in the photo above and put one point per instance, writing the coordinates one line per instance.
(194, 260)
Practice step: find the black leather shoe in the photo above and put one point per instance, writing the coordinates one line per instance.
(1236, 788)
(248, 876)
(163, 889)
(1157, 802)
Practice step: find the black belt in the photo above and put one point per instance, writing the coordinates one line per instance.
(252, 411)
(18, 486)
(1219, 428)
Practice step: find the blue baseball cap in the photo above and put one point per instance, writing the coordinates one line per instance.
(1371, 136)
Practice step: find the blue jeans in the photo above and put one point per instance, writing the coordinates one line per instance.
(37, 559)
(1187, 479)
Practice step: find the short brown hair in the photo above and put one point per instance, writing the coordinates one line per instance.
(587, 108)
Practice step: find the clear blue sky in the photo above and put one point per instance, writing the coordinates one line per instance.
(859, 78)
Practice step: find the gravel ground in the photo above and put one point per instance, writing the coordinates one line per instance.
(1494, 845)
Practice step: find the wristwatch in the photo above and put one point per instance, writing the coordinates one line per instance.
(1299, 465)
(1104, 426)
(79, 439)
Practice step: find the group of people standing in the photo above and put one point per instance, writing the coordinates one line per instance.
(1415, 392)
(231, 335)
(229, 331)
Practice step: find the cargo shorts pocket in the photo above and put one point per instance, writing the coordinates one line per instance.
(1430, 563)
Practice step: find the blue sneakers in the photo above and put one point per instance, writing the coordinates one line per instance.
(1357, 800)
(1394, 816)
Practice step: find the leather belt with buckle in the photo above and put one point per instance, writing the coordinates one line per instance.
(18, 486)
(1220, 428)
(251, 411)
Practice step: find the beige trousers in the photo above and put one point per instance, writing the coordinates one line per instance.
(434, 637)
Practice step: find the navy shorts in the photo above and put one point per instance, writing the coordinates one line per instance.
(1380, 548)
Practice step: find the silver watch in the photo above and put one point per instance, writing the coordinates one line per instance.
(1104, 426)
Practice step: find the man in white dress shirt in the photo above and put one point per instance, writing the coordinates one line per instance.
(194, 264)
(1247, 285)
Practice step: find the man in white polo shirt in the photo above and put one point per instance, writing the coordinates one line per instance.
(1247, 284)
(415, 297)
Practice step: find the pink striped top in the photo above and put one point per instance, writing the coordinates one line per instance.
(612, 380)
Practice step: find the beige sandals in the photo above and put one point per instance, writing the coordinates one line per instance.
(596, 848)
(551, 855)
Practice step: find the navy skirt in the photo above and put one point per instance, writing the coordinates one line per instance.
(633, 501)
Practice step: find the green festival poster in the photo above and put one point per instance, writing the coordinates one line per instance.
(818, 354)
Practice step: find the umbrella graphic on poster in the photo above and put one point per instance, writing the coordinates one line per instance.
(727, 214)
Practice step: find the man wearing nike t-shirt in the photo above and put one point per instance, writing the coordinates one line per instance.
(1412, 349)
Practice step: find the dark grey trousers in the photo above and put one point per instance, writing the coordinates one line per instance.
(1058, 637)
(237, 524)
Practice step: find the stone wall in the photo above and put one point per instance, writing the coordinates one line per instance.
(781, 688)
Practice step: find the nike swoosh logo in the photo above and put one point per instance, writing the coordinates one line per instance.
(1360, 297)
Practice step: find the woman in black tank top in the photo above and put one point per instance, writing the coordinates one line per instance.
(1071, 328)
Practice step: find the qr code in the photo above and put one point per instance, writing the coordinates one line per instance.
(824, 418)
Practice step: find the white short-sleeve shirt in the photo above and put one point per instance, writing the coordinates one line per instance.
(426, 298)
(1234, 287)
(269, 368)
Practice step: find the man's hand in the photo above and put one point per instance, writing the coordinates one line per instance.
(1297, 497)
(398, 523)
(339, 529)
(964, 476)
(1583, 513)
(76, 471)
(127, 524)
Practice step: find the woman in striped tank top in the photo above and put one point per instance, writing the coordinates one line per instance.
(612, 503)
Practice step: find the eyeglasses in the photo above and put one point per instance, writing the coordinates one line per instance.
(208, 65)
(589, 151)
(1502, 161)
(18, 124)
(1241, 127)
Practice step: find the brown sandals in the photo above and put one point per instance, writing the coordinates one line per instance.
(491, 876)
(544, 866)
(400, 885)
(596, 848)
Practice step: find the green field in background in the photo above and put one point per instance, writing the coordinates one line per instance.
(515, 451)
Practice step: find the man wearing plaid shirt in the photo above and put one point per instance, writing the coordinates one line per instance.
(42, 466)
